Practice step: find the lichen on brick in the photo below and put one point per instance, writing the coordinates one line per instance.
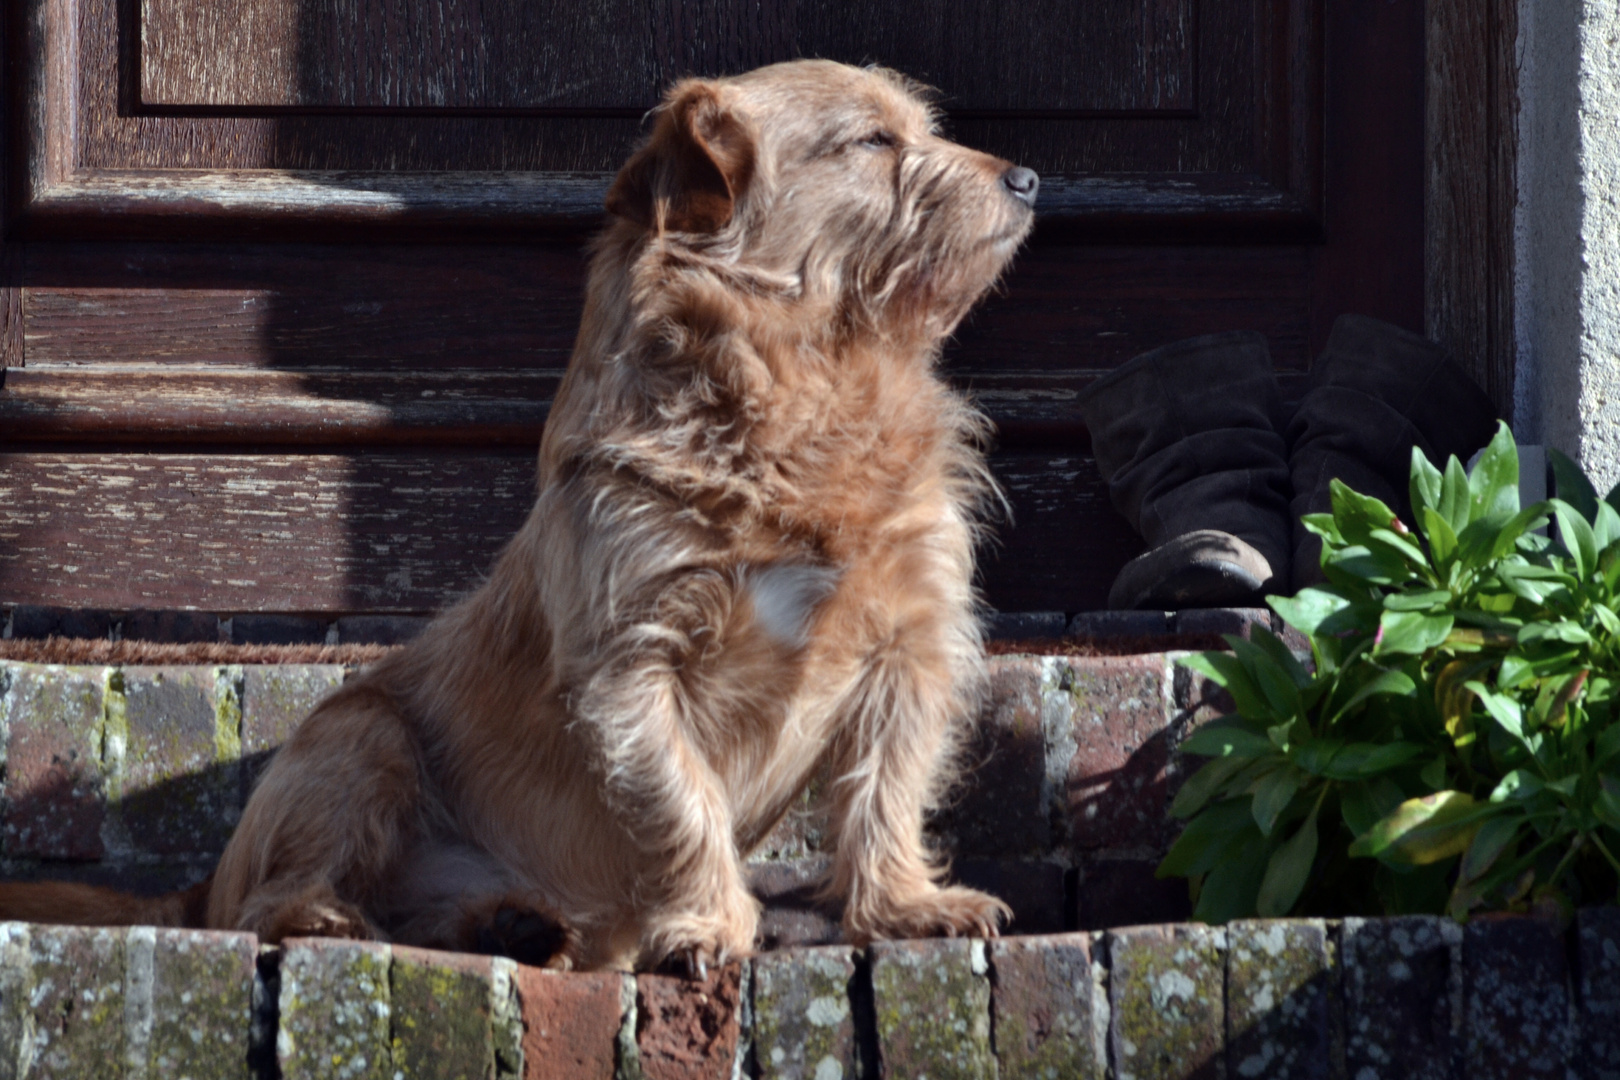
(440, 1011)
(932, 1003)
(335, 1011)
(803, 1027)
(1165, 995)
(1281, 994)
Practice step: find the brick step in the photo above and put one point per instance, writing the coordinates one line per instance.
(135, 775)
(1341, 1000)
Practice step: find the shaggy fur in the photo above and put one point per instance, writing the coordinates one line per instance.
(750, 559)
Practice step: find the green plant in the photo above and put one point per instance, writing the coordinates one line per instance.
(1454, 745)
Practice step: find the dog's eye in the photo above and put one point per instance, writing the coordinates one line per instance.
(877, 140)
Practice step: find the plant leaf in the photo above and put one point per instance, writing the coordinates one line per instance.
(1487, 846)
(1423, 600)
(1272, 646)
(1571, 485)
(1204, 842)
(1391, 681)
(1442, 539)
(1279, 686)
(1231, 674)
(1504, 710)
(1518, 784)
(1606, 526)
(1287, 871)
(1272, 794)
(1577, 537)
(1227, 738)
(1308, 609)
(1229, 890)
(1203, 785)
(1454, 496)
(1425, 485)
(1425, 830)
(1363, 804)
(1493, 486)
(1606, 807)
(1410, 633)
(1361, 760)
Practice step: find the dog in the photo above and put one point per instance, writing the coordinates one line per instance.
(750, 560)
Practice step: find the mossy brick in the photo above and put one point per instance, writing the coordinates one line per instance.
(1165, 992)
(1116, 778)
(570, 1023)
(56, 793)
(997, 809)
(687, 1029)
(932, 1004)
(76, 1001)
(439, 1005)
(1516, 999)
(1283, 1013)
(201, 1001)
(1401, 1007)
(275, 700)
(335, 1010)
(804, 1027)
(180, 782)
(1597, 944)
(16, 987)
(1050, 1023)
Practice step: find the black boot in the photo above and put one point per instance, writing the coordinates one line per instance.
(1376, 392)
(1187, 438)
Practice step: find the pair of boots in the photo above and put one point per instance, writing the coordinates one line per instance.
(1201, 455)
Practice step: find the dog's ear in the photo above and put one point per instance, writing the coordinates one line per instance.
(689, 175)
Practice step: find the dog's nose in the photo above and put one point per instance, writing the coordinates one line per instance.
(1023, 183)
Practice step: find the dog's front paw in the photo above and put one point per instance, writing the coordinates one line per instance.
(949, 912)
(691, 942)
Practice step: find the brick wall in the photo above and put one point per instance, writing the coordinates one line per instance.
(1415, 997)
(136, 775)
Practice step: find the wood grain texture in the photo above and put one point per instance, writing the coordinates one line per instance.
(402, 532)
(11, 327)
(615, 56)
(1172, 123)
(295, 307)
(1470, 158)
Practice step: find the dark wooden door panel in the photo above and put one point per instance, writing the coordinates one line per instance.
(616, 56)
(285, 302)
(403, 531)
(517, 306)
(268, 117)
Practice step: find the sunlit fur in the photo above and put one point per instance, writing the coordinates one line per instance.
(750, 558)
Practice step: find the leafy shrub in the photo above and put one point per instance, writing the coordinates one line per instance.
(1454, 746)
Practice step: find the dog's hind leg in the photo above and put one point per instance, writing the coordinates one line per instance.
(339, 804)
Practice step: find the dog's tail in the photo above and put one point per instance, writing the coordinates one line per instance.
(71, 904)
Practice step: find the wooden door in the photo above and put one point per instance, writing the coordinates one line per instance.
(288, 284)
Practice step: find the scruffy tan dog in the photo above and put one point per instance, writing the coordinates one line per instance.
(750, 559)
